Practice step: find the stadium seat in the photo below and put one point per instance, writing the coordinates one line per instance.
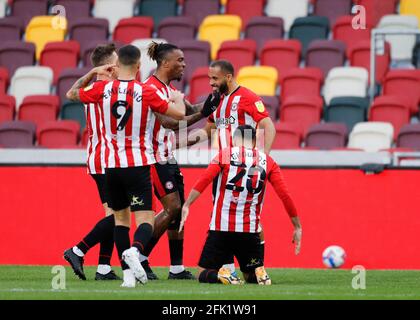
(147, 64)
(346, 81)
(298, 81)
(403, 83)
(84, 140)
(71, 110)
(326, 54)
(262, 29)
(199, 84)
(308, 29)
(11, 29)
(272, 105)
(262, 80)
(15, 54)
(176, 29)
(219, 28)
(410, 8)
(28, 81)
(359, 56)
(75, 8)
(376, 9)
(196, 53)
(3, 5)
(246, 9)
(158, 9)
(44, 29)
(304, 109)
(326, 136)
(113, 10)
(200, 9)
(401, 45)
(7, 108)
(4, 80)
(240, 52)
(60, 55)
(130, 29)
(58, 134)
(288, 136)
(409, 136)
(283, 55)
(371, 136)
(392, 109)
(284, 9)
(86, 30)
(347, 110)
(332, 9)
(344, 31)
(39, 109)
(66, 79)
(17, 134)
(27, 9)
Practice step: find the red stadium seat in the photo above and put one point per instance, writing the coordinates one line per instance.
(7, 108)
(4, 80)
(246, 9)
(58, 134)
(404, 83)
(392, 109)
(344, 31)
(240, 52)
(262, 29)
(376, 9)
(39, 109)
(199, 84)
(282, 55)
(305, 110)
(60, 55)
(173, 29)
(359, 56)
(272, 105)
(130, 29)
(288, 136)
(298, 81)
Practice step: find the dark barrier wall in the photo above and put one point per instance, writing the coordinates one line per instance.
(375, 218)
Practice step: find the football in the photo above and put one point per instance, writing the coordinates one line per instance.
(333, 257)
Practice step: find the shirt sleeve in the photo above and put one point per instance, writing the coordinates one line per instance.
(277, 181)
(91, 93)
(215, 167)
(157, 101)
(256, 108)
(210, 118)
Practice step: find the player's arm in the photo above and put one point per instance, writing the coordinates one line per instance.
(266, 129)
(176, 106)
(192, 109)
(198, 136)
(73, 93)
(277, 180)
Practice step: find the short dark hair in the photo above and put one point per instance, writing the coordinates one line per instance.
(245, 132)
(224, 65)
(129, 55)
(158, 51)
(102, 53)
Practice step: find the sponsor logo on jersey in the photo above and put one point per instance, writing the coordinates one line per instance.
(135, 201)
(224, 122)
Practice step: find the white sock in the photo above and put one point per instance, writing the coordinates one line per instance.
(104, 268)
(230, 266)
(78, 252)
(128, 276)
(176, 269)
(143, 258)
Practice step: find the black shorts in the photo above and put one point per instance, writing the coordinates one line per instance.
(167, 178)
(220, 246)
(129, 187)
(100, 181)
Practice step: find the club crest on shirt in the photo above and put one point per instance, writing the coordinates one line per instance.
(169, 185)
(234, 106)
(260, 106)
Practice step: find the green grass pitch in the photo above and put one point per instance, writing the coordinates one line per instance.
(34, 282)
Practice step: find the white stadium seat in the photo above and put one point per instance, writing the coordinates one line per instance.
(289, 10)
(113, 10)
(3, 8)
(346, 82)
(147, 65)
(29, 81)
(401, 46)
(371, 136)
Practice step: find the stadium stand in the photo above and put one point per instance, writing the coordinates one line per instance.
(298, 81)
(262, 29)
(147, 64)
(199, 84)
(288, 136)
(196, 53)
(200, 9)
(344, 31)
(283, 9)
(27, 9)
(38, 109)
(326, 136)
(158, 9)
(371, 136)
(17, 134)
(7, 108)
(260, 79)
(74, 111)
(347, 110)
(332, 9)
(16, 54)
(88, 47)
(240, 52)
(3, 4)
(86, 30)
(175, 29)
(4, 80)
(246, 9)
(410, 7)
(75, 8)
(129, 29)
(272, 106)
(409, 137)
(66, 79)
(11, 29)
(326, 54)
(113, 11)
(416, 56)
(58, 134)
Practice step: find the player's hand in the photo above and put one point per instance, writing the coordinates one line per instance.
(105, 70)
(185, 212)
(297, 239)
(176, 96)
(211, 104)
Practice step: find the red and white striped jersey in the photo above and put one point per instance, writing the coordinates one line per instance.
(163, 139)
(242, 177)
(126, 110)
(96, 141)
(240, 107)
